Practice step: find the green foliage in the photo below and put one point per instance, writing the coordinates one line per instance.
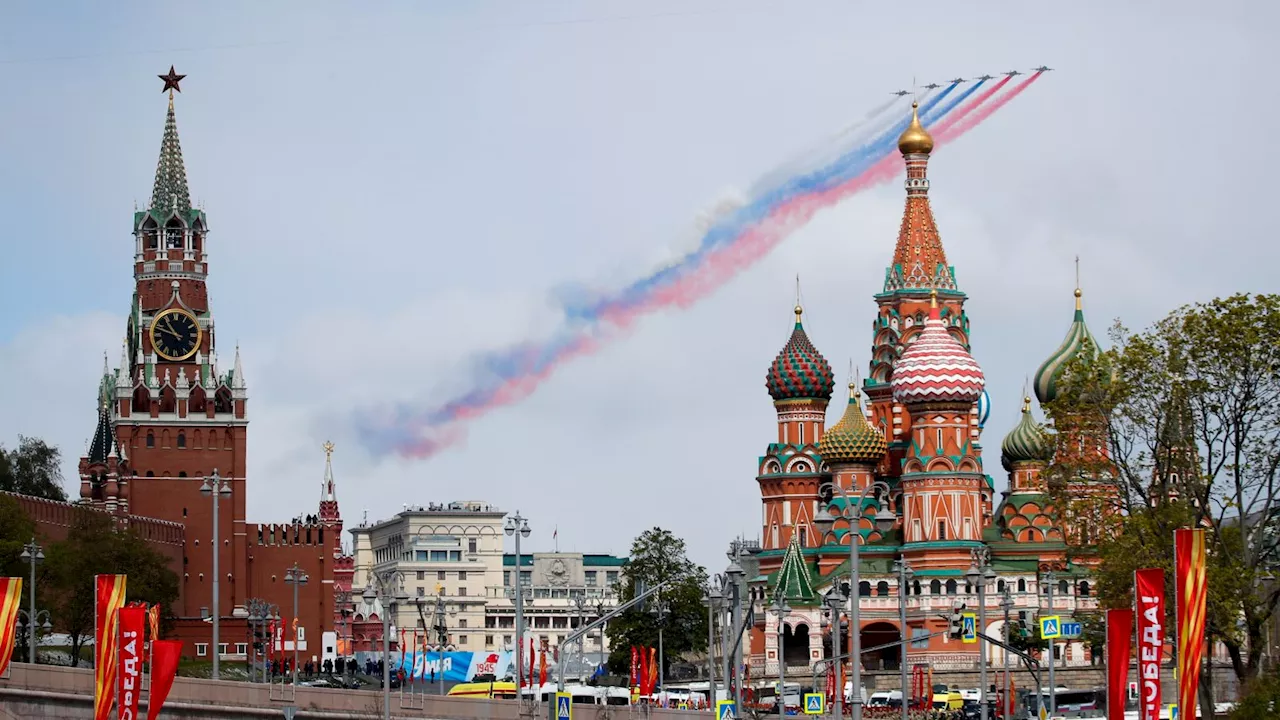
(656, 557)
(1260, 701)
(32, 468)
(16, 529)
(95, 547)
(1188, 412)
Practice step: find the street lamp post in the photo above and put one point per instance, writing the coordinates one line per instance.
(884, 521)
(442, 634)
(33, 554)
(660, 609)
(390, 588)
(979, 574)
(835, 602)
(217, 488)
(580, 603)
(735, 573)
(295, 577)
(713, 599)
(518, 527)
(1049, 579)
(1006, 604)
(260, 612)
(905, 573)
(781, 609)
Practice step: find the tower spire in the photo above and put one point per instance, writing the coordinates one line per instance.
(170, 188)
(918, 258)
(330, 490)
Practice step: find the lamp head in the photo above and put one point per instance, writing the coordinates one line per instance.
(206, 488)
(885, 520)
(824, 521)
(524, 530)
(908, 573)
(25, 555)
(369, 595)
(973, 575)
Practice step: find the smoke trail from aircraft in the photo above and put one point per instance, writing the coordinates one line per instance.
(733, 242)
(964, 125)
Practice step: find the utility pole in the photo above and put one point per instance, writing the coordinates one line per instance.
(1006, 604)
(1053, 695)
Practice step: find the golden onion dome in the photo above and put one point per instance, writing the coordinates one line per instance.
(915, 140)
(853, 440)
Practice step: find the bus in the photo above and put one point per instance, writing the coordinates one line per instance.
(1069, 703)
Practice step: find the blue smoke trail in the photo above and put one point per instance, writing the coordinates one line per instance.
(844, 168)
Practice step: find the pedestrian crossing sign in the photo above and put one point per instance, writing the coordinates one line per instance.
(725, 710)
(969, 628)
(564, 706)
(1050, 627)
(815, 704)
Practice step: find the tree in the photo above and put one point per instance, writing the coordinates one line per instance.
(95, 547)
(32, 468)
(1188, 413)
(16, 530)
(657, 556)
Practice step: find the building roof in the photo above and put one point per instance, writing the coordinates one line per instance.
(1026, 442)
(852, 439)
(170, 190)
(588, 559)
(1079, 342)
(936, 367)
(799, 371)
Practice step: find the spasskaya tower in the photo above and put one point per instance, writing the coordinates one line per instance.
(170, 415)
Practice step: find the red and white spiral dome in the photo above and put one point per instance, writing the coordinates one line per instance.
(936, 368)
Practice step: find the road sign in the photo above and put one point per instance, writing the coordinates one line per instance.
(815, 704)
(564, 706)
(1072, 629)
(968, 628)
(289, 711)
(1173, 711)
(725, 710)
(1050, 627)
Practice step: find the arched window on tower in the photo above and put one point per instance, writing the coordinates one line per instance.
(951, 587)
(1064, 588)
(882, 589)
(1084, 588)
(1000, 586)
(182, 439)
(935, 587)
(1022, 585)
(151, 439)
(864, 589)
(915, 587)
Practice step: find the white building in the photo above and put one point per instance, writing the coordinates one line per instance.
(451, 556)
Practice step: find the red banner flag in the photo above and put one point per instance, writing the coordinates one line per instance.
(653, 669)
(10, 599)
(1119, 648)
(108, 599)
(531, 654)
(635, 668)
(542, 668)
(1189, 607)
(164, 667)
(1149, 592)
(153, 622)
(132, 621)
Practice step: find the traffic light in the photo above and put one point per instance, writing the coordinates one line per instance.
(955, 621)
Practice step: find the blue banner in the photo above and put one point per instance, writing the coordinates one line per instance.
(457, 666)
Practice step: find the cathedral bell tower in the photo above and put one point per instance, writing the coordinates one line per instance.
(169, 415)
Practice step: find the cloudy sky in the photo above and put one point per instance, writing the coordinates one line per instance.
(394, 187)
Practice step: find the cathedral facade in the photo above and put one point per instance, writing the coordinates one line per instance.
(172, 435)
(914, 457)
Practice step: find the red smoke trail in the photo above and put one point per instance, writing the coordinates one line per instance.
(950, 133)
(722, 266)
(764, 237)
(954, 117)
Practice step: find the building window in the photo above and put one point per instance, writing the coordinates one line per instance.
(864, 589)
(182, 439)
(506, 578)
(440, 575)
(951, 587)
(942, 529)
(915, 587)
(919, 639)
(202, 649)
(939, 445)
(490, 621)
(151, 439)
(488, 641)
(242, 648)
(506, 639)
(1022, 585)
(559, 622)
(471, 545)
(462, 623)
(222, 649)
(526, 578)
(422, 592)
(422, 575)
(935, 587)
(590, 576)
(462, 639)
(1000, 586)
(803, 538)
(1084, 588)
(462, 574)
(882, 589)
(611, 577)
(462, 592)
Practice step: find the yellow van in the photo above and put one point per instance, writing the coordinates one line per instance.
(947, 701)
(490, 690)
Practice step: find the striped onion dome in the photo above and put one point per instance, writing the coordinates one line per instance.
(799, 371)
(1079, 340)
(936, 368)
(984, 409)
(1026, 442)
(853, 440)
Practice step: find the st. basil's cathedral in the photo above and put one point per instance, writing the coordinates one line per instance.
(919, 438)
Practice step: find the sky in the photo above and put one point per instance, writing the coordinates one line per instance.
(394, 187)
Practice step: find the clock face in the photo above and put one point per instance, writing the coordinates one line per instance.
(175, 334)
